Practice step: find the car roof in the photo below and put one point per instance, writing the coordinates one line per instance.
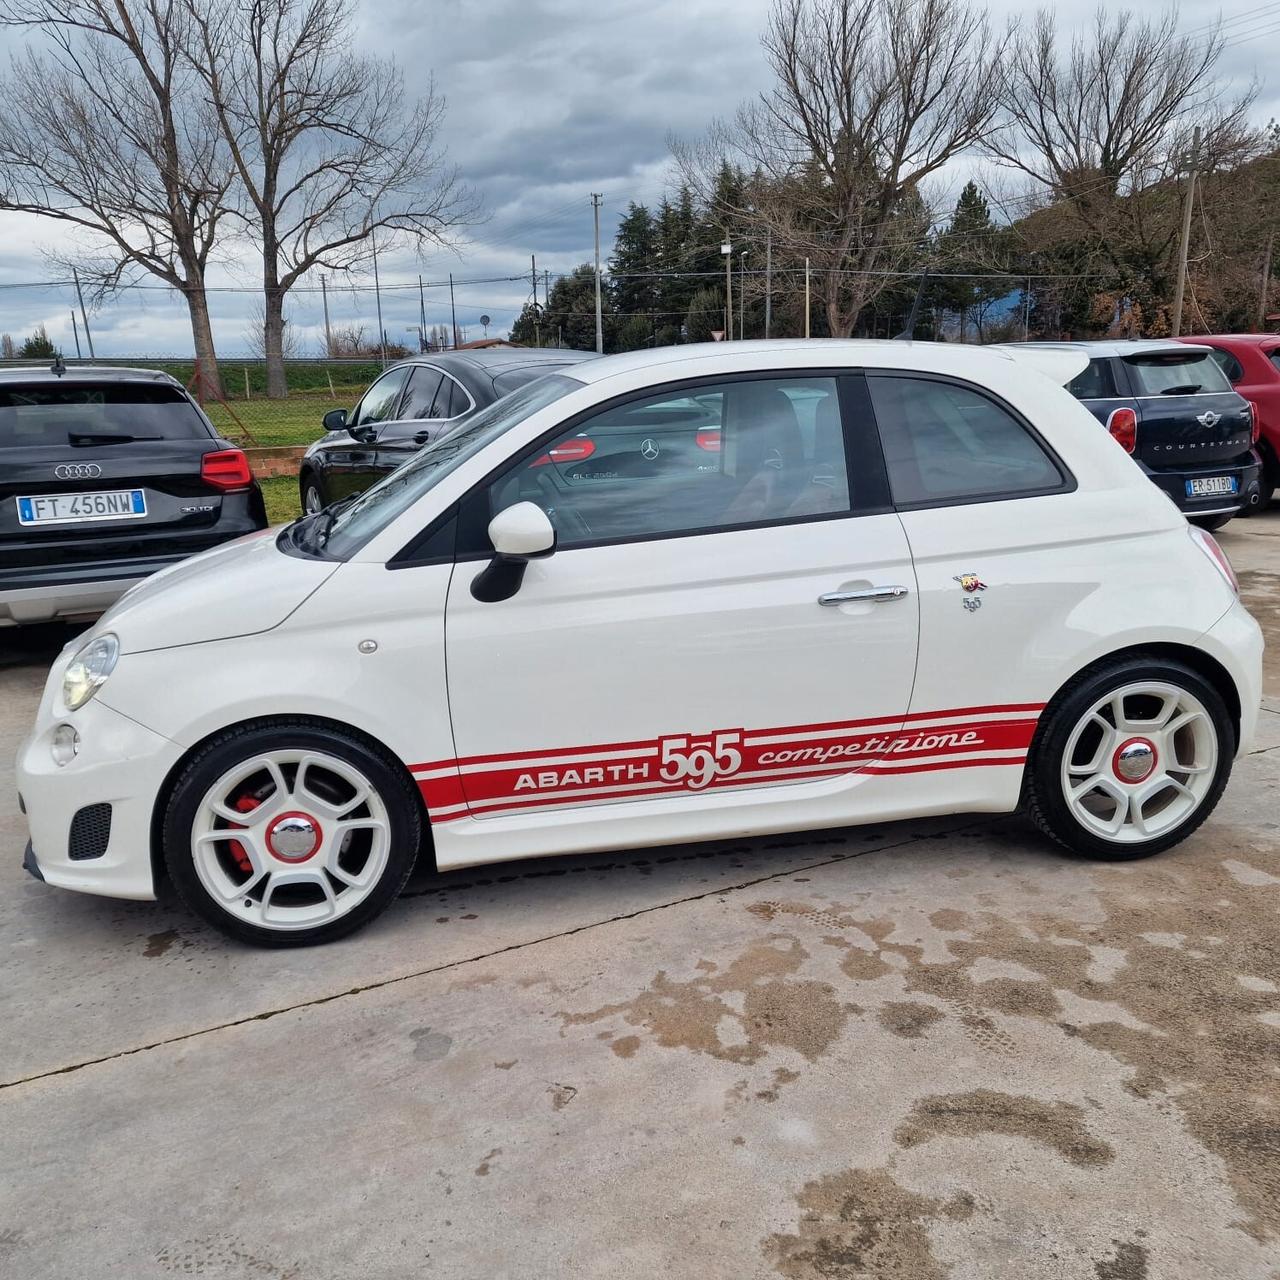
(1103, 347)
(496, 360)
(43, 372)
(1254, 339)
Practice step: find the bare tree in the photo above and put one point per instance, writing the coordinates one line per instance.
(1103, 123)
(871, 98)
(106, 134)
(327, 149)
(291, 341)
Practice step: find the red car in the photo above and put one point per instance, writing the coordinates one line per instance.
(1252, 362)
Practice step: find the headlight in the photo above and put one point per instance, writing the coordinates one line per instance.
(88, 671)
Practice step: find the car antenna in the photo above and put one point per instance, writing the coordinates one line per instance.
(59, 366)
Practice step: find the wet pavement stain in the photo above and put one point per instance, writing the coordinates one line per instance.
(861, 1224)
(482, 1169)
(1059, 1125)
(561, 1095)
(159, 943)
(429, 1045)
(907, 1018)
(778, 1011)
(1129, 1262)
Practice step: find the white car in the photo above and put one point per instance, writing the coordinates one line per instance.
(692, 593)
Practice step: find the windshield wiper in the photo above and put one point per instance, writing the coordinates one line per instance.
(104, 437)
(313, 530)
(1183, 389)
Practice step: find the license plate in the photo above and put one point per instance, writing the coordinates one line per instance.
(1211, 486)
(80, 508)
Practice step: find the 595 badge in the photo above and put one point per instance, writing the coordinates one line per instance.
(971, 584)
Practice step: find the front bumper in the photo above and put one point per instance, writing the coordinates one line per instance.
(120, 763)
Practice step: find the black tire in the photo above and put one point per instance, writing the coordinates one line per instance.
(1045, 801)
(394, 788)
(310, 491)
(1266, 493)
(1211, 523)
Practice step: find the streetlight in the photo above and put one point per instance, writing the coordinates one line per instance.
(726, 250)
(742, 293)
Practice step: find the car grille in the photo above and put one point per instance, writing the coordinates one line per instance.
(90, 831)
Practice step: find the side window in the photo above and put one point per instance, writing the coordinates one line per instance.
(1096, 382)
(1228, 364)
(423, 385)
(944, 442)
(1275, 357)
(711, 458)
(380, 400)
(450, 401)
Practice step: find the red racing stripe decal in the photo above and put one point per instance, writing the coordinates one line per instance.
(486, 786)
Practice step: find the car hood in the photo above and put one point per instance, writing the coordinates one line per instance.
(239, 589)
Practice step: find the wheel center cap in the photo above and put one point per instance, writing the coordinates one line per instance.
(293, 837)
(1134, 760)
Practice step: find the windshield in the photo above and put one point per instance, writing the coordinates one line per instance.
(349, 529)
(1174, 374)
(82, 413)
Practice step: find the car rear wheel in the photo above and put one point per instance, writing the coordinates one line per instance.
(1129, 759)
(1211, 523)
(288, 833)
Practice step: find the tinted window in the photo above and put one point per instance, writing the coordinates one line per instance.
(1175, 374)
(725, 455)
(53, 413)
(1097, 382)
(423, 385)
(451, 400)
(944, 442)
(380, 400)
(1275, 357)
(396, 493)
(1228, 364)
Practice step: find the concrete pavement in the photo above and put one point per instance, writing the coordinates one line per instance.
(928, 1050)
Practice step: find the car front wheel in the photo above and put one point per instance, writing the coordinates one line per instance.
(288, 833)
(312, 498)
(1129, 759)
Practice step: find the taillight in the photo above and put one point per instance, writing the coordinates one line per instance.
(1256, 416)
(226, 469)
(575, 450)
(708, 438)
(1123, 425)
(1209, 545)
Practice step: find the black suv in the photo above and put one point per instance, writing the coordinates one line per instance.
(107, 475)
(1171, 407)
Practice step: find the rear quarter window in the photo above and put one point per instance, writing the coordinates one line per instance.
(1229, 365)
(1274, 357)
(1174, 373)
(1096, 382)
(62, 413)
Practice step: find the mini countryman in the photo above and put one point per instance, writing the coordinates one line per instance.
(673, 595)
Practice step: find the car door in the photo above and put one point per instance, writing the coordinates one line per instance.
(431, 402)
(735, 616)
(352, 462)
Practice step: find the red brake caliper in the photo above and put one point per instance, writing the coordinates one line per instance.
(246, 804)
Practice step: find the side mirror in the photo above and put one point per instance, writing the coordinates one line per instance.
(334, 420)
(519, 534)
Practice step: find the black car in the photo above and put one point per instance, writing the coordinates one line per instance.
(107, 475)
(413, 403)
(1172, 408)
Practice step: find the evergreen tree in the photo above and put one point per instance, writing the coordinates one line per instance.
(705, 315)
(972, 243)
(39, 346)
(634, 289)
(569, 317)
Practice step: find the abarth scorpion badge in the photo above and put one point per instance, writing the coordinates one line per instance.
(971, 585)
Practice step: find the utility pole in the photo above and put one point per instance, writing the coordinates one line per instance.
(1193, 162)
(422, 317)
(84, 315)
(1266, 282)
(377, 294)
(726, 251)
(328, 336)
(742, 293)
(75, 329)
(533, 278)
(806, 297)
(453, 310)
(768, 281)
(596, 197)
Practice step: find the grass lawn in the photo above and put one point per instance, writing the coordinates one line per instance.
(274, 422)
(281, 495)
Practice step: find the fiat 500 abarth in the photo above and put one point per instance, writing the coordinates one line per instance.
(892, 580)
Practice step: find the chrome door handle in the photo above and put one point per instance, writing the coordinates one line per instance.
(871, 593)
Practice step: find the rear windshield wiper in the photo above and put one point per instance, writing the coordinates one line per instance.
(1183, 389)
(105, 437)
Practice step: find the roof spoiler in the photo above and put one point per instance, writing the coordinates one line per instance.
(1061, 361)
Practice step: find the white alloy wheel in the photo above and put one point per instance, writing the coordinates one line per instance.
(290, 839)
(1140, 762)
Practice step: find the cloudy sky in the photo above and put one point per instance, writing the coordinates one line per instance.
(548, 100)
